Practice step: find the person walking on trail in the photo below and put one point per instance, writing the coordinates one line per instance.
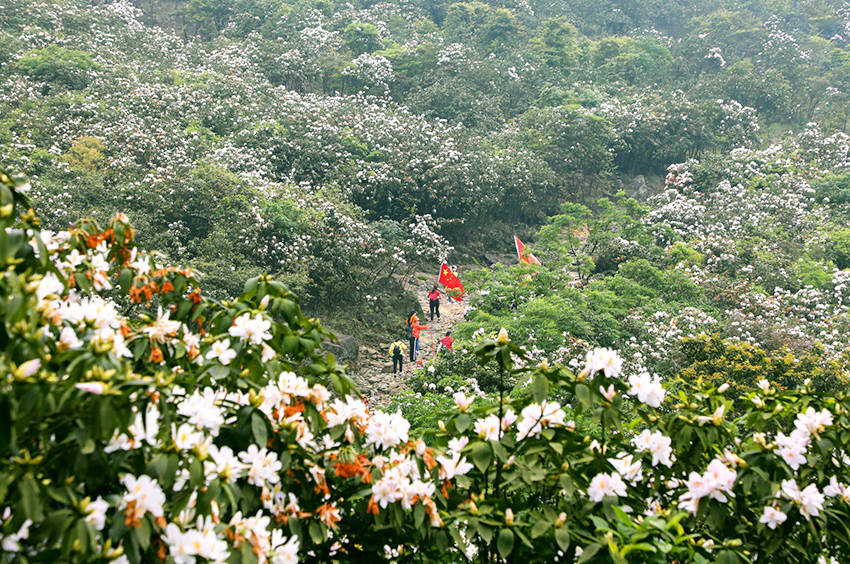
(397, 353)
(413, 330)
(447, 342)
(434, 302)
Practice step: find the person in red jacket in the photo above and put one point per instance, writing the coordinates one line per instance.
(447, 342)
(413, 330)
(434, 302)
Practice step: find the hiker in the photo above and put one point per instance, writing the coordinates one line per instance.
(447, 342)
(397, 353)
(434, 302)
(413, 329)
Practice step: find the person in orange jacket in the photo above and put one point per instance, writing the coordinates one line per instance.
(413, 331)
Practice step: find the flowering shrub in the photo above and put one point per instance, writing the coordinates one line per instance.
(142, 420)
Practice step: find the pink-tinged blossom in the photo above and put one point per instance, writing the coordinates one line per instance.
(454, 466)
(813, 421)
(772, 517)
(647, 389)
(627, 467)
(386, 430)
(536, 416)
(603, 485)
(488, 428)
(658, 445)
(715, 483)
(462, 401)
(96, 388)
(606, 360)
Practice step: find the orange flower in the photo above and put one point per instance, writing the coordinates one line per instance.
(372, 507)
(329, 515)
(156, 355)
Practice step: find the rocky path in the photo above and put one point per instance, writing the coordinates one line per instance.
(374, 375)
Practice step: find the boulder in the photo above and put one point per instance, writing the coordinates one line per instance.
(345, 349)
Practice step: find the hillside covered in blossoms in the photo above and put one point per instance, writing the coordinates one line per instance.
(193, 193)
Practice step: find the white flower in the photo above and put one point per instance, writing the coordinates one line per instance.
(461, 401)
(488, 428)
(221, 351)
(283, 551)
(603, 485)
(387, 430)
(647, 389)
(607, 360)
(186, 437)
(68, 340)
(96, 513)
(627, 467)
(11, 543)
(837, 489)
(764, 385)
(772, 517)
(456, 444)
(145, 493)
(715, 483)
(49, 285)
(536, 416)
(813, 421)
(253, 329)
(262, 466)
(203, 410)
(792, 449)
(657, 444)
(387, 490)
(454, 466)
(222, 462)
(162, 328)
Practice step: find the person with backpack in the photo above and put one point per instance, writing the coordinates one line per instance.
(413, 330)
(397, 354)
(434, 302)
(447, 342)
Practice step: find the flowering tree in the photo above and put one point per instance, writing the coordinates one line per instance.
(142, 420)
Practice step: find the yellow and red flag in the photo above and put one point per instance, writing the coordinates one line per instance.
(452, 283)
(524, 255)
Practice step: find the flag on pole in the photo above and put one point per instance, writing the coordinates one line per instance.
(524, 256)
(450, 280)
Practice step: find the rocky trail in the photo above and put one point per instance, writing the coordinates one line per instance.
(374, 372)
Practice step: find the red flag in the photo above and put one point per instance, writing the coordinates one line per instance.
(450, 280)
(524, 256)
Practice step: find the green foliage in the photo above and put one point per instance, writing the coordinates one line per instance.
(361, 38)
(69, 68)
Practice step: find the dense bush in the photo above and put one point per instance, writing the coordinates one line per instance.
(185, 429)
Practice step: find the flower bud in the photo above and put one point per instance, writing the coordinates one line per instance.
(503, 338)
(509, 517)
(562, 518)
(441, 425)
(723, 388)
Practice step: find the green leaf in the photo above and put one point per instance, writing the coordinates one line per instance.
(589, 552)
(463, 422)
(562, 537)
(481, 455)
(583, 395)
(728, 557)
(541, 388)
(505, 544)
(540, 528)
(30, 502)
(258, 428)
